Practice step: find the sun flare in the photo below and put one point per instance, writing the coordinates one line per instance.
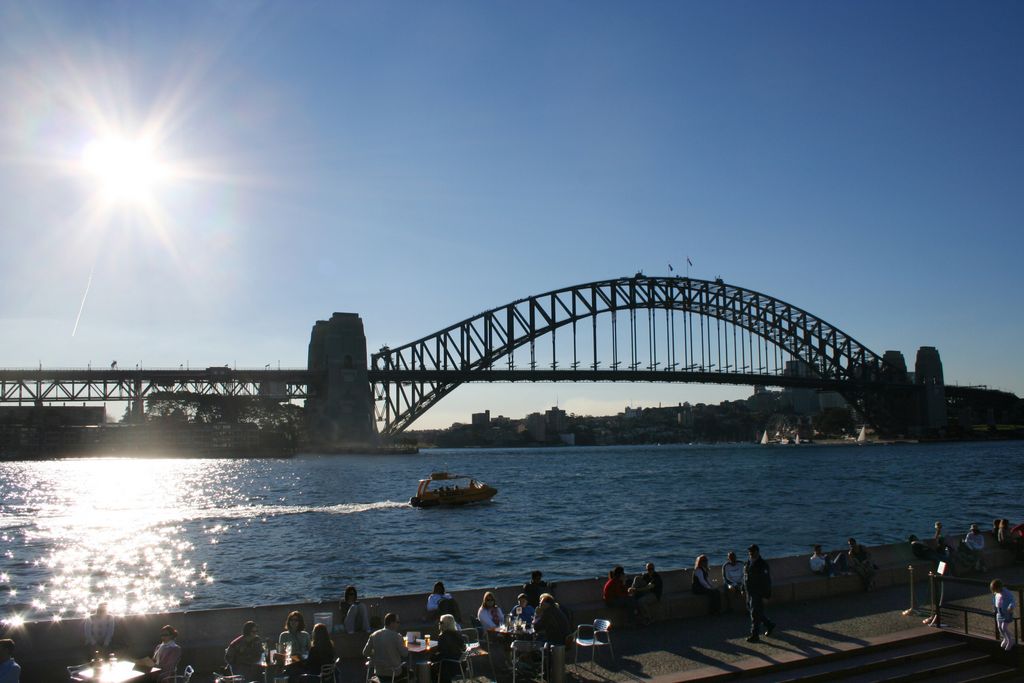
(126, 170)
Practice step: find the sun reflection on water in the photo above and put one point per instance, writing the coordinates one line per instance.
(114, 532)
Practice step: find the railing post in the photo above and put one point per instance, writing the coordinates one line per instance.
(1020, 615)
(557, 673)
(913, 599)
(935, 603)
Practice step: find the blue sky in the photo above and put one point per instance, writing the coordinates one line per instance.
(420, 162)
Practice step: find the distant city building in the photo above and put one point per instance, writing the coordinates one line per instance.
(535, 425)
(53, 416)
(632, 413)
(684, 417)
(556, 420)
(482, 419)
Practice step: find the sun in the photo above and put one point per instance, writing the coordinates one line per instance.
(126, 171)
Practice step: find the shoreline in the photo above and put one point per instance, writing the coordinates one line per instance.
(55, 643)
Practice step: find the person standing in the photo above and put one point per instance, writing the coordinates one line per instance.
(1003, 602)
(10, 670)
(99, 630)
(757, 582)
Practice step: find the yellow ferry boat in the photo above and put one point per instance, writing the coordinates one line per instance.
(445, 488)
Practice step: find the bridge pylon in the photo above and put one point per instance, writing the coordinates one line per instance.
(339, 407)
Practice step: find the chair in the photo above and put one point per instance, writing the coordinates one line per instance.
(462, 662)
(371, 673)
(326, 675)
(473, 648)
(185, 677)
(521, 648)
(594, 636)
(74, 670)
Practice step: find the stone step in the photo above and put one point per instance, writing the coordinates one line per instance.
(940, 668)
(870, 659)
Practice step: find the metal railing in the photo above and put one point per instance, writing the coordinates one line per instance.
(936, 585)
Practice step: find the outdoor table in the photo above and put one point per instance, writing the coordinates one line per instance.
(419, 647)
(112, 672)
(517, 632)
(277, 668)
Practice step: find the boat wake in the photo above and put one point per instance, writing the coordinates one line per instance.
(340, 509)
(160, 517)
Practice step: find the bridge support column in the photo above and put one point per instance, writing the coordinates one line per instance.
(932, 407)
(340, 405)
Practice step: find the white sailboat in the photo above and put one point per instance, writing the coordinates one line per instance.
(863, 435)
(796, 442)
(764, 438)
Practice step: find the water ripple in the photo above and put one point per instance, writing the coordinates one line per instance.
(152, 535)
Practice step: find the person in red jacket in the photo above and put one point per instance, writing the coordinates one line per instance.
(617, 596)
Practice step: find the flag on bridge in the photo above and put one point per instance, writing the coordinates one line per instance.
(670, 269)
(688, 261)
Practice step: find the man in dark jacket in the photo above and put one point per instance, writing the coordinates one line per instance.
(757, 582)
(549, 622)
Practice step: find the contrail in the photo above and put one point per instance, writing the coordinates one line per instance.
(82, 307)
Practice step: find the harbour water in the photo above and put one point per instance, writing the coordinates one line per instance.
(152, 535)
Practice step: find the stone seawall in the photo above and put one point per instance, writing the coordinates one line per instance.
(46, 648)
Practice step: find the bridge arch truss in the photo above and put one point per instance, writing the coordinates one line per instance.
(636, 328)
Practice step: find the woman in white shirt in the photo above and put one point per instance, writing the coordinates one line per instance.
(489, 614)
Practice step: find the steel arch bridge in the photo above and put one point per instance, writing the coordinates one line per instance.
(661, 329)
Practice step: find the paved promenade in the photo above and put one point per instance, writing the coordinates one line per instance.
(687, 649)
(681, 649)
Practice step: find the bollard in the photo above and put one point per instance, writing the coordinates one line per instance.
(913, 604)
(557, 674)
(423, 672)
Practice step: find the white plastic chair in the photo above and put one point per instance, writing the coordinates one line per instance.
(594, 636)
(521, 648)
